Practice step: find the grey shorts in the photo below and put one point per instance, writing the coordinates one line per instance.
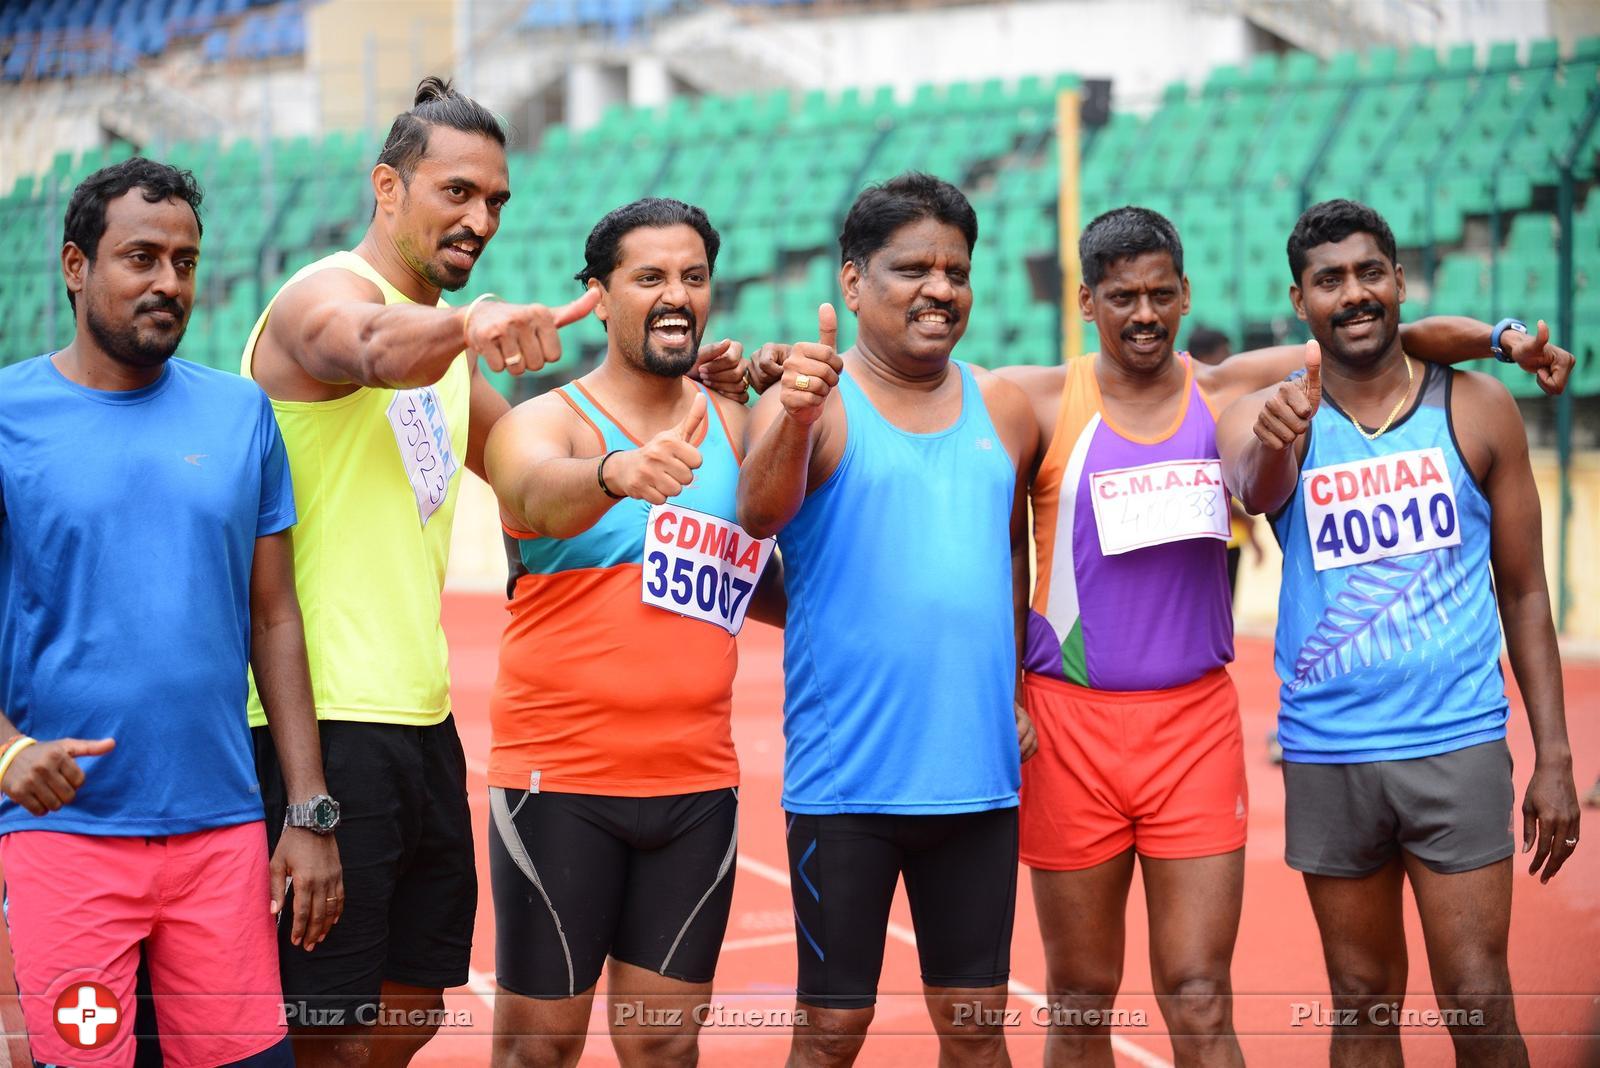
(1452, 811)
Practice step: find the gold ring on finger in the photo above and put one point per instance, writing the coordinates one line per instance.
(515, 357)
(802, 383)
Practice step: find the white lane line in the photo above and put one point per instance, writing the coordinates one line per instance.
(481, 985)
(900, 933)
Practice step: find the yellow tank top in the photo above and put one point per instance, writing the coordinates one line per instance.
(376, 478)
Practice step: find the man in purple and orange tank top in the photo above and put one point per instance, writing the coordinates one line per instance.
(1129, 639)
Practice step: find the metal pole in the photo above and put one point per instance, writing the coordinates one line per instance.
(1564, 402)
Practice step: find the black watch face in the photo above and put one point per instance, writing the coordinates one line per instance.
(323, 814)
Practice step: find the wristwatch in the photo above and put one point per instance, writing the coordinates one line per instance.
(319, 815)
(1500, 328)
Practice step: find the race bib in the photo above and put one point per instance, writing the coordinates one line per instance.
(700, 566)
(420, 430)
(1153, 504)
(1386, 506)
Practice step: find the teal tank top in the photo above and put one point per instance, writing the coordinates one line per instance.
(1388, 641)
(900, 648)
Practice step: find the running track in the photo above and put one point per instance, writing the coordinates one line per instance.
(1555, 936)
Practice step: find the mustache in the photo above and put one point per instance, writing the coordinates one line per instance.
(934, 305)
(170, 306)
(1371, 307)
(1161, 333)
(461, 235)
(662, 313)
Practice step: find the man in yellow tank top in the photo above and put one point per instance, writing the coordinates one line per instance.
(380, 413)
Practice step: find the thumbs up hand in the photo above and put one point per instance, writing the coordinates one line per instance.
(1287, 415)
(811, 370)
(662, 466)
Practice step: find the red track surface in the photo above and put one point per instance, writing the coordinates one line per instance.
(1554, 938)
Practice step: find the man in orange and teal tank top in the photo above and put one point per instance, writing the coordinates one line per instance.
(1129, 638)
(613, 781)
(381, 411)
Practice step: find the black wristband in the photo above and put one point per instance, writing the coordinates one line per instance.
(600, 476)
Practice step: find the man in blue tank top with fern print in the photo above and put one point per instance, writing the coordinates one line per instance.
(892, 477)
(1405, 504)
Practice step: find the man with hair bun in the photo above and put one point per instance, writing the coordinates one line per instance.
(375, 383)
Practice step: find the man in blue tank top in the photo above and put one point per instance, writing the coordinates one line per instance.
(892, 477)
(1405, 504)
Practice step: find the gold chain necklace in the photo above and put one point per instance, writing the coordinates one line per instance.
(1375, 435)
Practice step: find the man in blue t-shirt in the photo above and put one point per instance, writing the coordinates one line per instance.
(145, 566)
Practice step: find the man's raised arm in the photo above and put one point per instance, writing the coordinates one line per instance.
(1262, 437)
(336, 326)
(785, 429)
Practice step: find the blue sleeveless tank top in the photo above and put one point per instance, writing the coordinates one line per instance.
(1388, 641)
(618, 538)
(900, 648)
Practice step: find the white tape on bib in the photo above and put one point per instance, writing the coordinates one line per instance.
(1154, 504)
(699, 566)
(420, 430)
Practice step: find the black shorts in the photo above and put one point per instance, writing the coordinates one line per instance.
(577, 877)
(961, 880)
(411, 887)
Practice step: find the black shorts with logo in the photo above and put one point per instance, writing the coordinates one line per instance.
(961, 882)
(579, 877)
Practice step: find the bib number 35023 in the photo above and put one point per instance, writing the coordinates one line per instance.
(700, 566)
(420, 430)
(1386, 506)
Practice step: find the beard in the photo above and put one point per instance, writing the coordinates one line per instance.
(671, 363)
(130, 346)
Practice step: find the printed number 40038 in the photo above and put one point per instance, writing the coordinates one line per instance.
(704, 585)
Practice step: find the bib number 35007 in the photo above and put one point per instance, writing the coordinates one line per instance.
(700, 566)
(1387, 506)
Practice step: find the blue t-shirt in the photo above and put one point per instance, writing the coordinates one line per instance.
(128, 523)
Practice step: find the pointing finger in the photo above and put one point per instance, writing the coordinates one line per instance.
(571, 313)
(828, 326)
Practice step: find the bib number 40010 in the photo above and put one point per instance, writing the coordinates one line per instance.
(705, 586)
(1384, 527)
(1380, 507)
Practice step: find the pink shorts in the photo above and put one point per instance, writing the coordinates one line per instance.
(78, 906)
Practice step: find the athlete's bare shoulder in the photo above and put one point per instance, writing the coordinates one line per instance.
(1042, 387)
(1011, 412)
(735, 416)
(1486, 420)
(551, 425)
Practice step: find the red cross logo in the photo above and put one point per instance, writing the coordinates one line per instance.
(86, 1015)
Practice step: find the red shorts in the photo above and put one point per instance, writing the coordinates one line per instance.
(1159, 770)
(78, 906)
